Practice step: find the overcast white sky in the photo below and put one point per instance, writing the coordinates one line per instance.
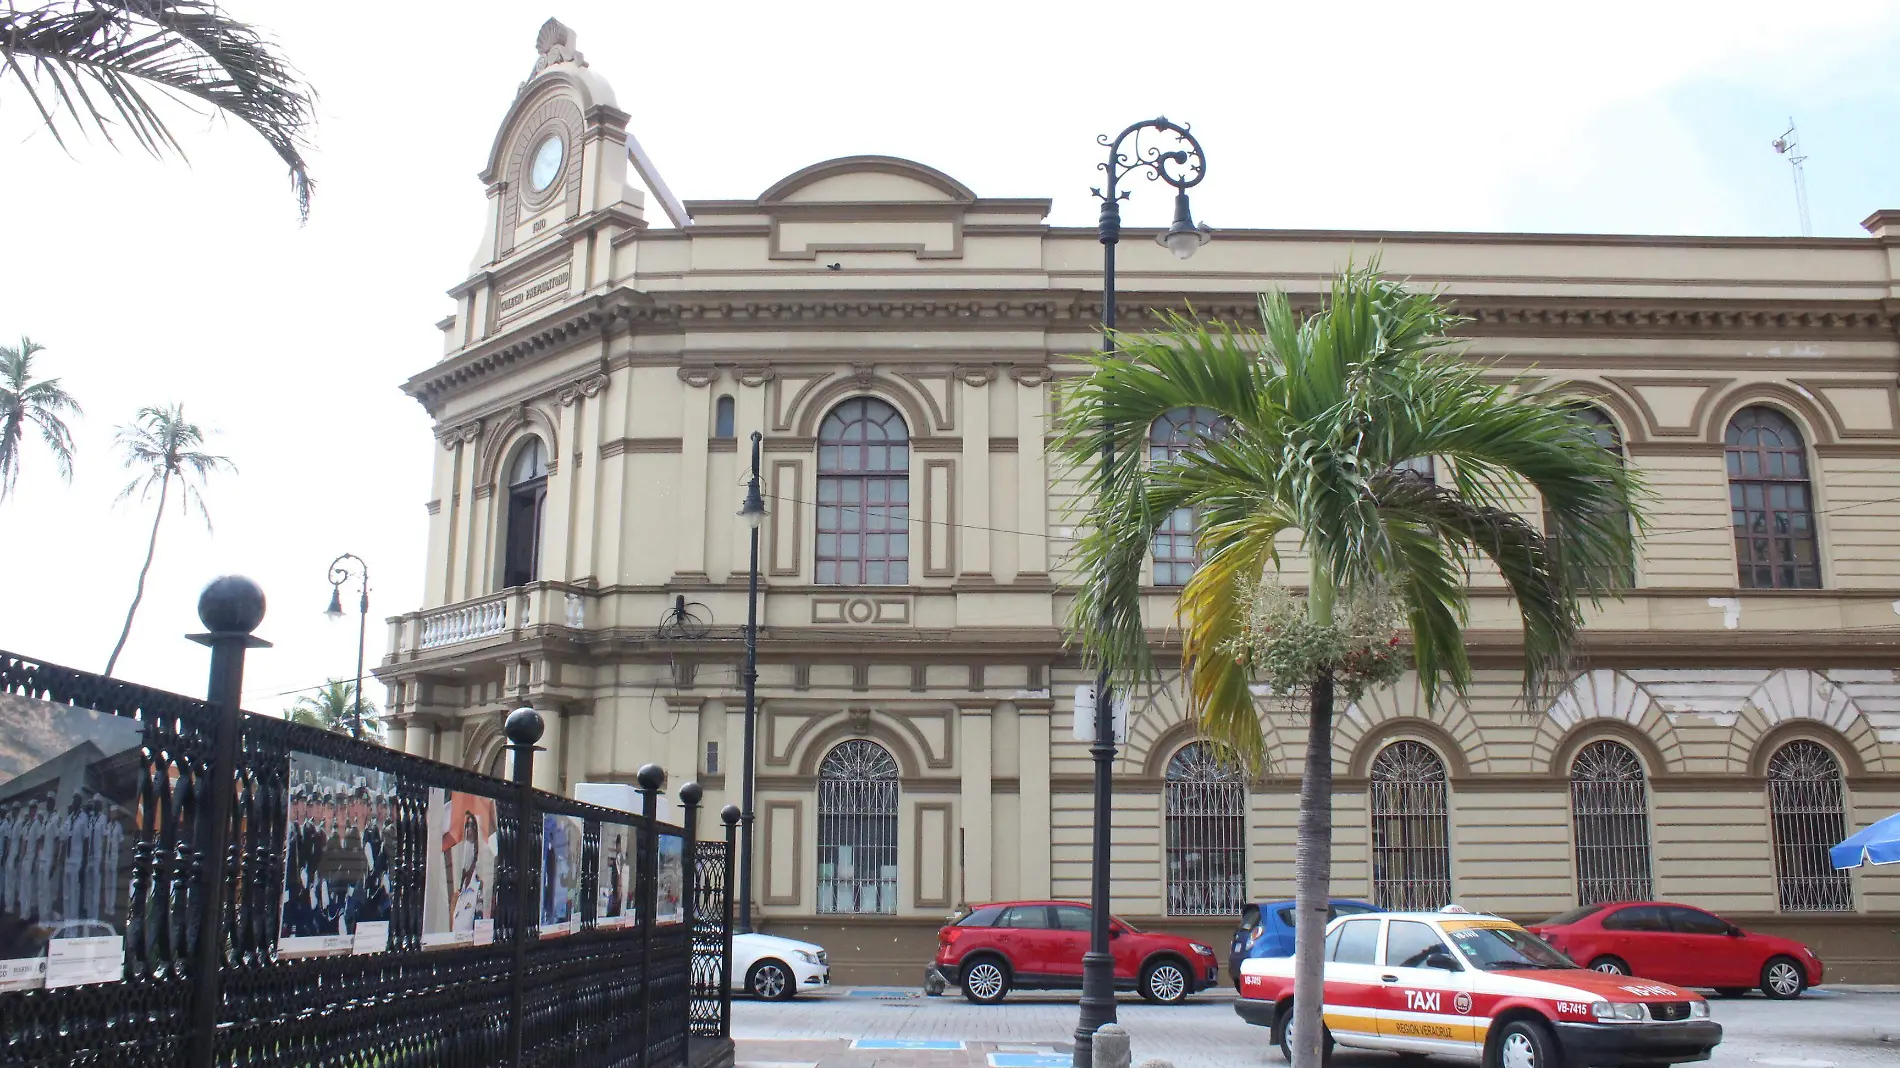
(156, 281)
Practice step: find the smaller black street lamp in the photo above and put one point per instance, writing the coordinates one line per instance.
(753, 510)
(341, 572)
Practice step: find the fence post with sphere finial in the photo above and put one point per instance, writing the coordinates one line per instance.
(523, 729)
(730, 817)
(652, 779)
(230, 608)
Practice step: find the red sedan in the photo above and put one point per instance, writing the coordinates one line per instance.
(1682, 945)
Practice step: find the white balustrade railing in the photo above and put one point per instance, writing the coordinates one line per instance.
(465, 622)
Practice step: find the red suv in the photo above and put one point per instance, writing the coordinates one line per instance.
(1681, 945)
(1038, 945)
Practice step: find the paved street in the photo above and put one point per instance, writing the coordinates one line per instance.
(1825, 1029)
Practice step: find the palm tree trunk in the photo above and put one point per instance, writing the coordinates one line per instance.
(1312, 876)
(151, 549)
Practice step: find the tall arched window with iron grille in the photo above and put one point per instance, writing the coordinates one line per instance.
(1173, 436)
(863, 495)
(1207, 832)
(1771, 503)
(1609, 809)
(1807, 805)
(1595, 423)
(1411, 828)
(857, 829)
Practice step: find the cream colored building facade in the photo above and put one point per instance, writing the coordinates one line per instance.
(601, 377)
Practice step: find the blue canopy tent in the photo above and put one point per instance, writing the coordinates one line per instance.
(1877, 844)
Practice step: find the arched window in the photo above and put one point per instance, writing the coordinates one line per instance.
(722, 417)
(857, 829)
(1411, 828)
(1771, 503)
(1419, 465)
(1609, 807)
(1207, 832)
(1595, 424)
(863, 495)
(527, 493)
(1809, 813)
(1172, 436)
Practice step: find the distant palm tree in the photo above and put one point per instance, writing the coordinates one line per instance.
(24, 401)
(331, 708)
(103, 63)
(163, 447)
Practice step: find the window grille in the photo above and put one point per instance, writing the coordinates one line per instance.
(527, 496)
(863, 495)
(857, 829)
(1207, 831)
(1173, 436)
(1411, 828)
(1771, 503)
(1609, 807)
(1808, 811)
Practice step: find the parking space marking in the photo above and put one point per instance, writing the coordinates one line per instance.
(945, 1044)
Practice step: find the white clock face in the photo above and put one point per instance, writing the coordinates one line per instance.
(547, 164)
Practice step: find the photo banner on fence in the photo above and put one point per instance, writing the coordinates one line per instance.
(338, 846)
(616, 906)
(458, 907)
(563, 842)
(69, 787)
(672, 888)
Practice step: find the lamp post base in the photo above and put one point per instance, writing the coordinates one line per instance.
(1098, 1004)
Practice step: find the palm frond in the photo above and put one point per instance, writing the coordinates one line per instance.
(103, 64)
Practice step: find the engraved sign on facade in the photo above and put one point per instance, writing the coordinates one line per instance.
(68, 797)
(525, 298)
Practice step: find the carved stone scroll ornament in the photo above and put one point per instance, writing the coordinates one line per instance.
(586, 386)
(699, 376)
(450, 436)
(977, 374)
(756, 376)
(861, 373)
(1029, 374)
(555, 44)
(860, 721)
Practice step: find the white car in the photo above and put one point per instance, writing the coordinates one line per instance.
(772, 968)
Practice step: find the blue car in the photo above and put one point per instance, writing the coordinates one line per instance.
(1266, 930)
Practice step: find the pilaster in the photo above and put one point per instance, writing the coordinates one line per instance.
(550, 766)
(1032, 732)
(974, 415)
(689, 545)
(1032, 474)
(973, 745)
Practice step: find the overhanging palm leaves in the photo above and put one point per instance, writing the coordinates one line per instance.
(332, 708)
(1319, 414)
(96, 62)
(41, 405)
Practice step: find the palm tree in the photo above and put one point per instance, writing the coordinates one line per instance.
(1318, 419)
(331, 708)
(42, 404)
(163, 448)
(100, 64)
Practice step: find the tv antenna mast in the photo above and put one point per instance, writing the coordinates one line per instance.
(1788, 145)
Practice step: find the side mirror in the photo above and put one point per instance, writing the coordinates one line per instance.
(1736, 932)
(1442, 961)
(1114, 932)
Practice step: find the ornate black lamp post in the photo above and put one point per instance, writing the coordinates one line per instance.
(1171, 155)
(341, 572)
(754, 512)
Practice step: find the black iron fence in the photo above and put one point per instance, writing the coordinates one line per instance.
(371, 908)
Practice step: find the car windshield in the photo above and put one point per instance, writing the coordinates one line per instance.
(1132, 929)
(1564, 919)
(1506, 949)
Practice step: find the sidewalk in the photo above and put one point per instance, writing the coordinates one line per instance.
(898, 1053)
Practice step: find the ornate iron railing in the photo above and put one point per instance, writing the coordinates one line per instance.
(374, 908)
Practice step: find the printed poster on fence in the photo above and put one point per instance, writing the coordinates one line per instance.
(672, 888)
(562, 842)
(69, 783)
(616, 906)
(338, 845)
(458, 904)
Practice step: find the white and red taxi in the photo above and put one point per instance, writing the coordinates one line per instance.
(1478, 988)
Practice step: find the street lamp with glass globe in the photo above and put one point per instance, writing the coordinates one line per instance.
(341, 572)
(1167, 152)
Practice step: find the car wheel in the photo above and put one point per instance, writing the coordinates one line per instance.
(985, 980)
(1286, 1038)
(1610, 965)
(1165, 982)
(771, 980)
(1523, 1044)
(1732, 991)
(1781, 978)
